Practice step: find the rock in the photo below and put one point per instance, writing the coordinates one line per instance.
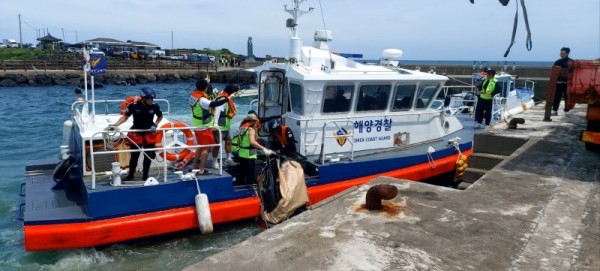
(7, 83)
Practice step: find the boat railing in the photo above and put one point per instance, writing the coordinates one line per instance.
(459, 100)
(120, 136)
(498, 107)
(349, 135)
(79, 105)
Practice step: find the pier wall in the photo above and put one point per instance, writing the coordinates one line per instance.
(16, 78)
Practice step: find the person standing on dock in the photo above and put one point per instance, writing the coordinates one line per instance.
(203, 120)
(561, 84)
(484, 104)
(143, 119)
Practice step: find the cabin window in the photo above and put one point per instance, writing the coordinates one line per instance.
(425, 95)
(404, 96)
(296, 98)
(373, 97)
(336, 98)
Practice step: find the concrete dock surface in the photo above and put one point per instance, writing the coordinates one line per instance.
(538, 209)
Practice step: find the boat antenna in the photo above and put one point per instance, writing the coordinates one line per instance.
(332, 64)
(295, 41)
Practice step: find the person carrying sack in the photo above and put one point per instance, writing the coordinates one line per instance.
(247, 149)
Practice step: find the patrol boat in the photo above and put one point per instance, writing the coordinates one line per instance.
(353, 123)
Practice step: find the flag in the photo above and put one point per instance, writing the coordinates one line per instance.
(98, 64)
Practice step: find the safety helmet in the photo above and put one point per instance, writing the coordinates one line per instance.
(272, 125)
(148, 93)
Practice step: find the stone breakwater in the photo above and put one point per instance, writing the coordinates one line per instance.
(129, 77)
(16, 78)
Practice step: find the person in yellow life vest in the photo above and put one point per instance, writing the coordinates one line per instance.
(484, 104)
(247, 148)
(283, 140)
(223, 115)
(202, 118)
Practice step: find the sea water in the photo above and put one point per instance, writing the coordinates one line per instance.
(32, 122)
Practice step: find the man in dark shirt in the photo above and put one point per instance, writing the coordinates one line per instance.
(143, 119)
(282, 138)
(561, 85)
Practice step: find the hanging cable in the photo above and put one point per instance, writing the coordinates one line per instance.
(528, 43)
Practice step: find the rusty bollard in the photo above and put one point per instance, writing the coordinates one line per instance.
(379, 192)
(513, 123)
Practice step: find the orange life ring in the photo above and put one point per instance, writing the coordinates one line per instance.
(129, 100)
(189, 141)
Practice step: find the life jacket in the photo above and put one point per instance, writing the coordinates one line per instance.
(228, 113)
(201, 117)
(241, 142)
(280, 136)
(487, 88)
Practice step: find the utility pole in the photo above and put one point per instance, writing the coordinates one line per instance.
(20, 33)
(171, 40)
(63, 31)
(76, 38)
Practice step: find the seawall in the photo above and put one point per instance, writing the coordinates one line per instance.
(238, 75)
(20, 78)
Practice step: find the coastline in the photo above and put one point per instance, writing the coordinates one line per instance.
(238, 75)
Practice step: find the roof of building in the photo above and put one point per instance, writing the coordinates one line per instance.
(49, 38)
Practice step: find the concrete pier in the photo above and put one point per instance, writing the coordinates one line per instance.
(537, 208)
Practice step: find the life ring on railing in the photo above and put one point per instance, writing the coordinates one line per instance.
(189, 141)
(129, 100)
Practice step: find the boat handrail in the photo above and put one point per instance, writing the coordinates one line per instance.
(446, 89)
(77, 105)
(164, 148)
(529, 84)
(349, 135)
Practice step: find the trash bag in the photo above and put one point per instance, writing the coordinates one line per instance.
(268, 185)
(292, 191)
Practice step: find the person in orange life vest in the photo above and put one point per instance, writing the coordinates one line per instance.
(282, 140)
(143, 119)
(223, 115)
(203, 119)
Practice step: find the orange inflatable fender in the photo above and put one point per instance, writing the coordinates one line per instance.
(189, 141)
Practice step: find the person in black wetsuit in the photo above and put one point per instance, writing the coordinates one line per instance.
(561, 84)
(143, 119)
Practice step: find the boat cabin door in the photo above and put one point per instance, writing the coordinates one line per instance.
(272, 97)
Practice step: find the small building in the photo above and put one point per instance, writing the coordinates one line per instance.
(49, 42)
(112, 46)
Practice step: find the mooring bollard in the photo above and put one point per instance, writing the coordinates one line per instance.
(378, 192)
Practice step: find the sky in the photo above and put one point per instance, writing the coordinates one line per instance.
(422, 29)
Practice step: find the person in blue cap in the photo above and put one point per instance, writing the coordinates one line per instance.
(143, 119)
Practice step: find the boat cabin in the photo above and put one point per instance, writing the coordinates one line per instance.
(338, 107)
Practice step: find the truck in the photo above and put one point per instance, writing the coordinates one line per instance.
(10, 43)
(583, 87)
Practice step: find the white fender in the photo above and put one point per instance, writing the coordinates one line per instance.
(203, 212)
